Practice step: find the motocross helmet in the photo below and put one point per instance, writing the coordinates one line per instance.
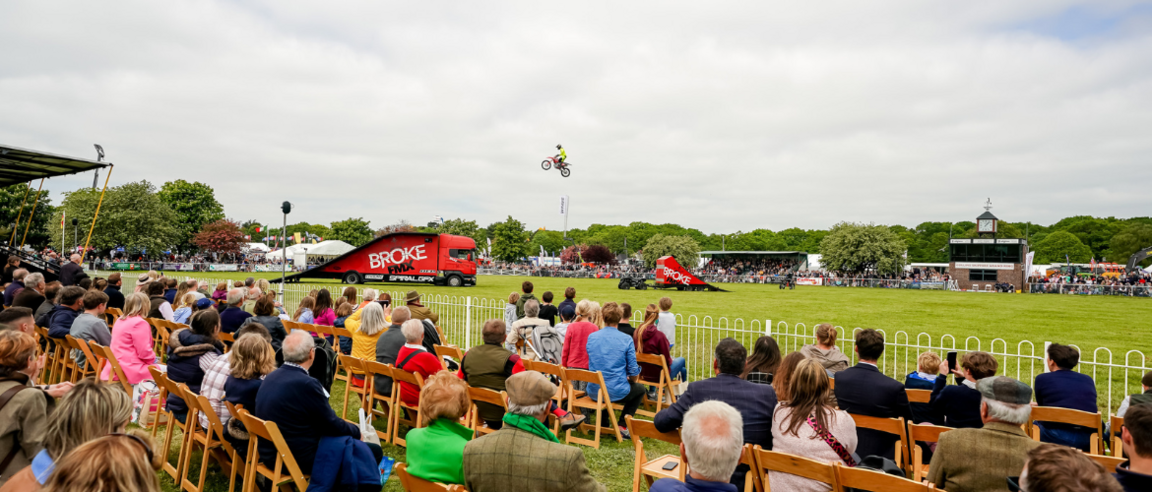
(557, 146)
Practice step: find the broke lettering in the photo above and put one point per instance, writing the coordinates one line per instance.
(396, 257)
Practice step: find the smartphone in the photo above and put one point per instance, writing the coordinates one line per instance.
(671, 465)
(951, 362)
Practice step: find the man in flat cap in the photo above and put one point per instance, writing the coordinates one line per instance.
(981, 459)
(524, 454)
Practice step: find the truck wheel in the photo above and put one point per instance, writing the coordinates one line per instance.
(455, 281)
(352, 278)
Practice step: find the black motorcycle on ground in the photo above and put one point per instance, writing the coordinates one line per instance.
(633, 281)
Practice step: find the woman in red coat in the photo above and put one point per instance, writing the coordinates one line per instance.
(414, 359)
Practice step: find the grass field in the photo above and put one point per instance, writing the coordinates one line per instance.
(1120, 324)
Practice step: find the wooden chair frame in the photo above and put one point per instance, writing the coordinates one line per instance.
(926, 433)
(175, 472)
(665, 385)
(354, 366)
(876, 481)
(195, 437)
(90, 363)
(219, 446)
(752, 481)
(1068, 416)
(116, 372)
(415, 484)
(111, 315)
(450, 351)
(562, 390)
(604, 403)
(919, 395)
(337, 333)
(371, 370)
(893, 426)
(1108, 462)
(285, 462)
(413, 420)
(484, 395)
(652, 469)
(767, 460)
(160, 415)
(63, 365)
(41, 335)
(1114, 427)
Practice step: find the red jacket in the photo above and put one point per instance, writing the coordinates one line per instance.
(424, 364)
(654, 342)
(575, 352)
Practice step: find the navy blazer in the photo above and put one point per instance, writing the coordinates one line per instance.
(1066, 389)
(864, 390)
(958, 404)
(755, 402)
(298, 405)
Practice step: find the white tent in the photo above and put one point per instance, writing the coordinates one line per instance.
(328, 248)
(258, 247)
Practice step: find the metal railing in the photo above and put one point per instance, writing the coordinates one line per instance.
(1091, 290)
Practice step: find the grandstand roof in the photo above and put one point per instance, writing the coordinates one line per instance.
(753, 252)
(19, 165)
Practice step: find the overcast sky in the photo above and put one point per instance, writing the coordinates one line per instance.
(722, 116)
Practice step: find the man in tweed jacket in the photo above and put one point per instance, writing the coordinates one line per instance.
(981, 459)
(524, 454)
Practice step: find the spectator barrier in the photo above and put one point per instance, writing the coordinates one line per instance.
(1137, 290)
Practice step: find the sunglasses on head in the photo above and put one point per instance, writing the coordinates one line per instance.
(147, 447)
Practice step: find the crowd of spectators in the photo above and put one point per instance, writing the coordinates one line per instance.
(1138, 283)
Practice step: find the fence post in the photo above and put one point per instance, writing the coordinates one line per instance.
(468, 321)
(1045, 358)
(768, 327)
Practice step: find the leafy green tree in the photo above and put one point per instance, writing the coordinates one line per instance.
(354, 231)
(684, 248)
(552, 242)
(510, 242)
(1054, 247)
(11, 198)
(468, 228)
(249, 227)
(1134, 238)
(132, 216)
(195, 205)
(851, 247)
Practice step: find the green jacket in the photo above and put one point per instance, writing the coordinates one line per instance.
(520, 304)
(511, 459)
(23, 424)
(978, 459)
(436, 452)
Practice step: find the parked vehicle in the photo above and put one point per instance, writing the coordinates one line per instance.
(408, 257)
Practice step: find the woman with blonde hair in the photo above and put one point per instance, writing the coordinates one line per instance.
(184, 288)
(366, 326)
(809, 425)
(132, 341)
(252, 358)
(113, 463)
(184, 307)
(825, 350)
(90, 411)
(575, 353)
(436, 451)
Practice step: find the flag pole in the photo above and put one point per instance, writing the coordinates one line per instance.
(33, 214)
(16, 225)
(98, 204)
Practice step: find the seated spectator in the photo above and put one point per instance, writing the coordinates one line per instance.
(216, 375)
(85, 283)
(299, 406)
(24, 419)
(864, 390)
(575, 355)
(1136, 437)
(755, 402)
(959, 405)
(650, 340)
(525, 454)
(436, 450)
(613, 354)
(71, 302)
(142, 283)
(190, 352)
(170, 290)
(32, 296)
(251, 295)
(418, 310)
(90, 411)
(183, 310)
(525, 327)
(1065, 388)
(510, 316)
(159, 307)
(350, 295)
(549, 312)
(19, 319)
(825, 350)
(490, 365)
(232, 316)
(763, 362)
(218, 295)
(116, 462)
(1052, 468)
(924, 378)
(254, 360)
(89, 325)
(1144, 398)
(782, 380)
(833, 437)
(46, 307)
(132, 341)
(413, 358)
(366, 326)
(10, 269)
(115, 297)
(265, 314)
(981, 458)
(303, 312)
(712, 445)
(388, 347)
(343, 311)
(15, 286)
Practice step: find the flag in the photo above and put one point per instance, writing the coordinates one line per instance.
(62, 214)
(321, 238)
(297, 237)
(258, 228)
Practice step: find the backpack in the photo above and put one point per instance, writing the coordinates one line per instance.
(549, 344)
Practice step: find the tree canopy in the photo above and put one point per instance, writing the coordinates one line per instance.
(11, 198)
(132, 216)
(222, 236)
(509, 241)
(851, 247)
(684, 248)
(354, 231)
(194, 204)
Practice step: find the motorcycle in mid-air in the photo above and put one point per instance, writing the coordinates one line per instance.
(549, 162)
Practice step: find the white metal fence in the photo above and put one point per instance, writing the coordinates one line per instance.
(1116, 376)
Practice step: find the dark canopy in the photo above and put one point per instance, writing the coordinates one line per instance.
(22, 165)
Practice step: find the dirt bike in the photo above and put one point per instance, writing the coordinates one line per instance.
(562, 166)
(633, 281)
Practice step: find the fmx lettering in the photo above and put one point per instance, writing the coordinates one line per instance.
(396, 256)
(400, 268)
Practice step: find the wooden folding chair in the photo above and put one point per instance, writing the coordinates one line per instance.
(889, 426)
(78, 372)
(451, 351)
(284, 470)
(919, 396)
(1115, 424)
(160, 415)
(176, 472)
(228, 340)
(775, 461)
(664, 384)
(652, 470)
(195, 437)
(413, 419)
(111, 315)
(117, 372)
(93, 362)
(388, 401)
(922, 433)
(491, 397)
(1068, 416)
(218, 445)
(557, 373)
(62, 365)
(416, 484)
(602, 404)
(338, 332)
(876, 481)
(1108, 462)
(832, 383)
(355, 367)
(752, 482)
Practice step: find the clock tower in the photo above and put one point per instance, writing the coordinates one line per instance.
(986, 223)
(988, 263)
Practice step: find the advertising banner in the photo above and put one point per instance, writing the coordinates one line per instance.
(127, 266)
(809, 281)
(976, 265)
(223, 267)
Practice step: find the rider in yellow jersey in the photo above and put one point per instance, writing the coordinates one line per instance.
(562, 155)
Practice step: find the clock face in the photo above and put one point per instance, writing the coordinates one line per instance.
(985, 225)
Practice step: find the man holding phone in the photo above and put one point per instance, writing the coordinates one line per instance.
(864, 390)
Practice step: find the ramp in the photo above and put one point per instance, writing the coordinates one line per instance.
(671, 275)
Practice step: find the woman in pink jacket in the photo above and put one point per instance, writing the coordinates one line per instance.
(132, 341)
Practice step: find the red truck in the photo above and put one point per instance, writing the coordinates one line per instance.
(411, 257)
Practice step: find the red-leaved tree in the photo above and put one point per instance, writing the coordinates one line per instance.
(600, 254)
(222, 236)
(570, 254)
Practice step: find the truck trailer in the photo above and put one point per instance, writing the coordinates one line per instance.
(406, 257)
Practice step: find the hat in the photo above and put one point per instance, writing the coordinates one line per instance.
(143, 280)
(412, 296)
(1005, 390)
(528, 388)
(204, 303)
(567, 311)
